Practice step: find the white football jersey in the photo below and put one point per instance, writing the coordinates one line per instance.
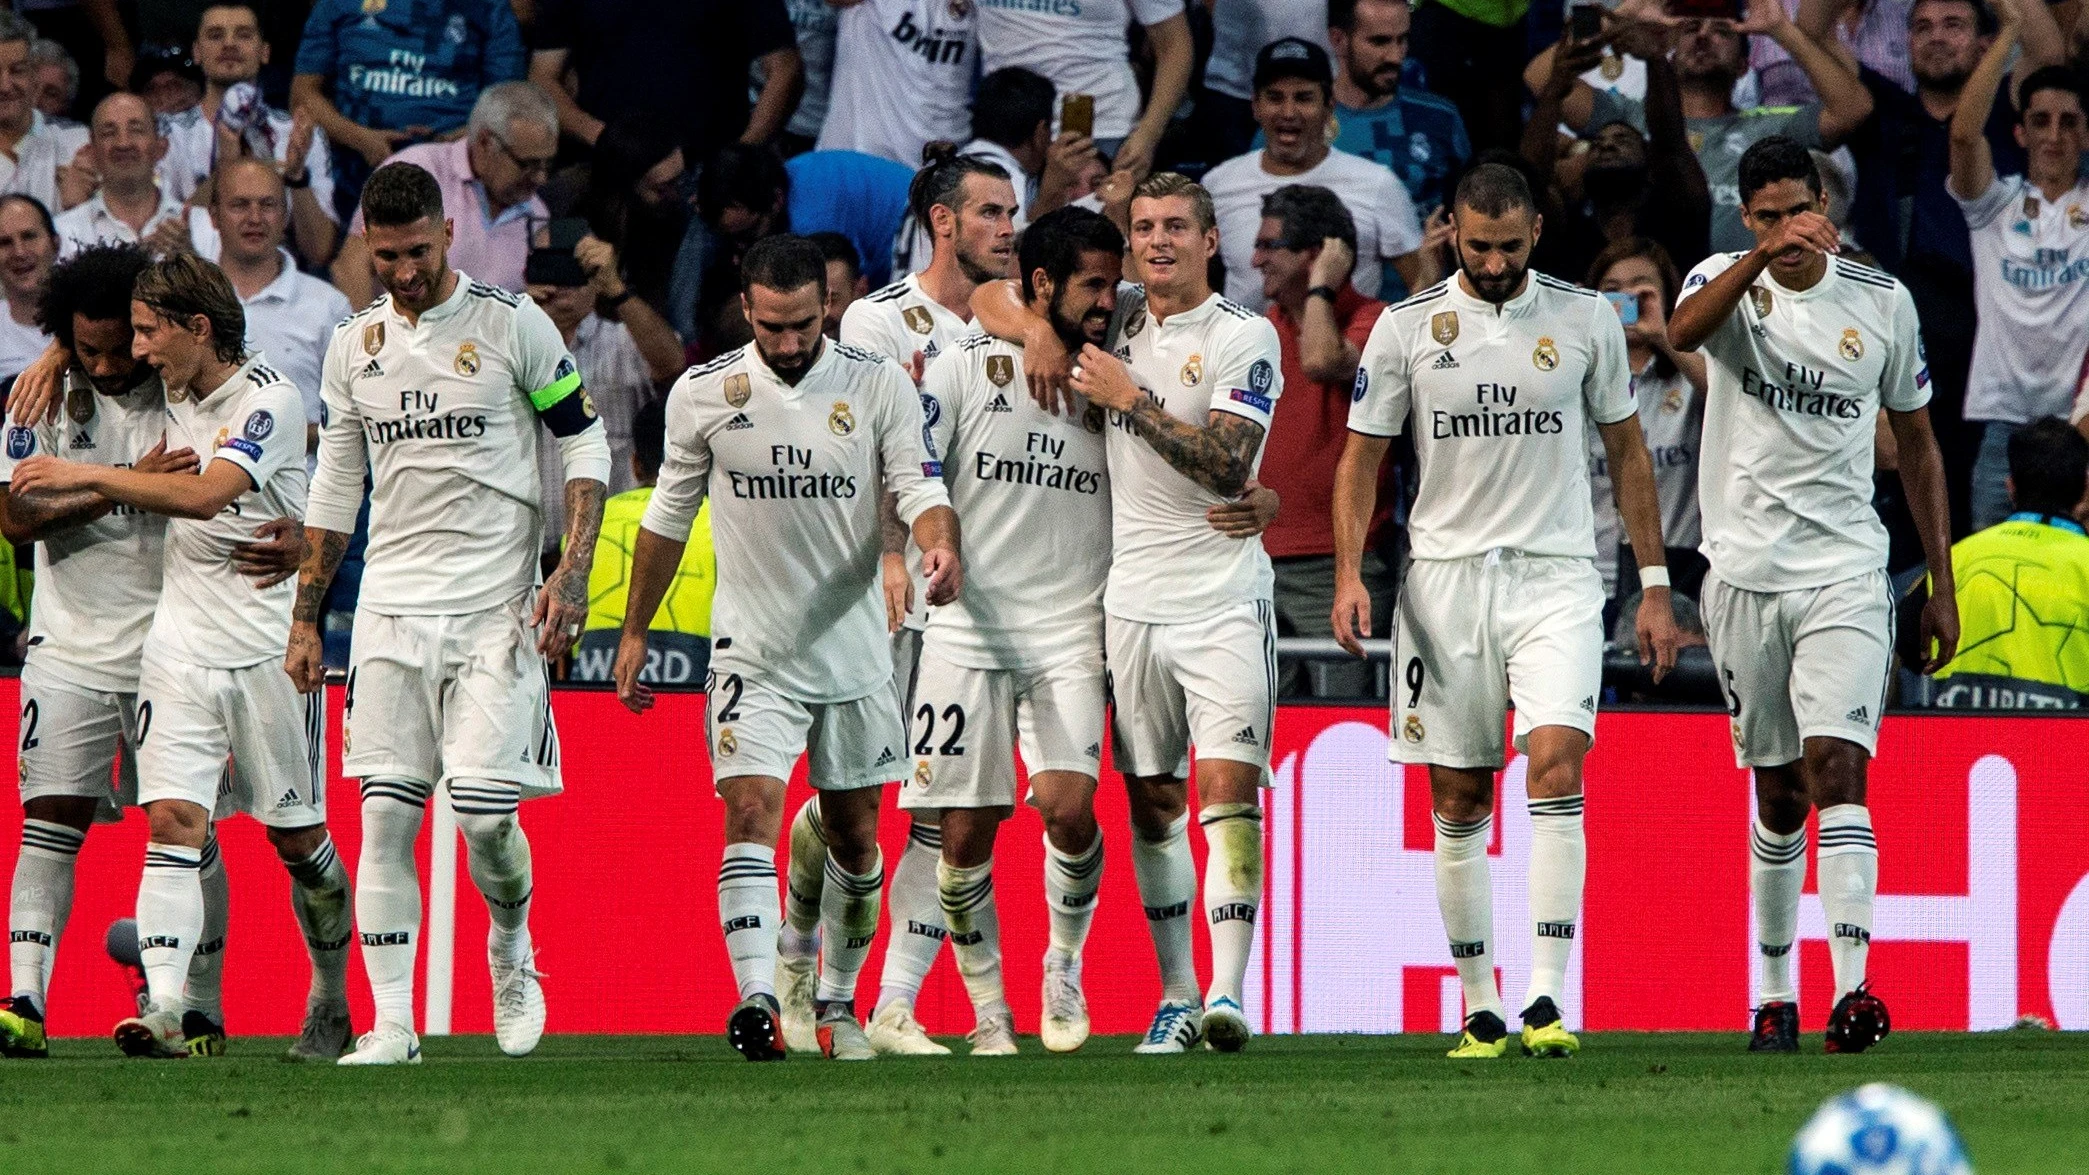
(1033, 492)
(1797, 380)
(897, 322)
(210, 614)
(903, 73)
(1500, 398)
(1168, 565)
(2030, 299)
(98, 584)
(445, 413)
(793, 473)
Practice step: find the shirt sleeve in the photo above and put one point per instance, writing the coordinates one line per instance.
(1153, 12)
(337, 484)
(942, 395)
(1607, 388)
(546, 373)
(912, 473)
(1379, 400)
(1399, 231)
(685, 468)
(1247, 374)
(23, 442)
(271, 436)
(317, 49)
(1721, 340)
(1988, 207)
(867, 326)
(319, 169)
(1904, 384)
(505, 59)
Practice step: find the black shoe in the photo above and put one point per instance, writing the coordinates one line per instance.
(1859, 1021)
(1776, 1028)
(1542, 1011)
(756, 1028)
(206, 1037)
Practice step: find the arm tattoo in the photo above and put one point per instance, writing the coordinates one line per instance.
(44, 513)
(891, 530)
(584, 497)
(1220, 456)
(318, 573)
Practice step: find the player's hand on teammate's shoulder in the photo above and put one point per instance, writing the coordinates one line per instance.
(1659, 638)
(1105, 380)
(39, 389)
(275, 552)
(631, 661)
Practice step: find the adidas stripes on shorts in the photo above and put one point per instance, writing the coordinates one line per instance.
(752, 729)
(1812, 663)
(1472, 635)
(1209, 683)
(967, 724)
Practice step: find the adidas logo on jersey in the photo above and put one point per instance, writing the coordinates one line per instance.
(80, 441)
(739, 421)
(1246, 736)
(1444, 362)
(371, 369)
(998, 404)
(885, 758)
(1860, 714)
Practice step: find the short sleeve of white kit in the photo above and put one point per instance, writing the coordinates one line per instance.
(1379, 401)
(1246, 373)
(912, 473)
(1904, 384)
(1153, 12)
(866, 325)
(942, 391)
(23, 442)
(337, 482)
(1720, 342)
(685, 467)
(271, 435)
(1983, 210)
(1607, 388)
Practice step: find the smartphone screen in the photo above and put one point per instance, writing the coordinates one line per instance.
(1586, 22)
(1077, 115)
(1627, 304)
(1705, 9)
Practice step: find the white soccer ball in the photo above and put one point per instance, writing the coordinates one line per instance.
(1878, 1130)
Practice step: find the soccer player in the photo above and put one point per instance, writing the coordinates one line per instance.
(1500, 369)
(208, 683)
(79, 687)
(438, 387)
(1804, 347)
(794, 439)
(968, 205)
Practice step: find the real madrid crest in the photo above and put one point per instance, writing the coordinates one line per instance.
(1673, 401)
(1852, 345)
(922, 774)
(467, 359)
(2077, 217)
(373, 338)
(1000, 370)
(1412, 728)
(919, 320)
(1763, 301)
(727, 744)
(1546, 356)
(841, 422)
(737, 389)
(1444, 328)
(2031, 208)
(960, 9)
(1192, 370)
(1613, 67)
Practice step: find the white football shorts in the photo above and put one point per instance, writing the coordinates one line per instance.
(436, 698)
(1804, 664)
(191, 718)
(754, 730)
(76, 741)
(1209, 683)
(1472, 635)
(967, 724)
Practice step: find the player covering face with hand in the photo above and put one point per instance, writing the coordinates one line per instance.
(1497, 372)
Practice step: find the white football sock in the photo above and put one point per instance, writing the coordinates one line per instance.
(388, 893)
(1558, 869)
(748, 913)
(1071, 881)
(320, 896)
(41, 903)
(917, 917)
(1848, 865)
(803, 885)
(170, 919)
(967, 894)
(1232, 891)
(206, 986)
(1167, 877)
(1465, 897)
(498, 854)
(848, 922)
(1776, 874)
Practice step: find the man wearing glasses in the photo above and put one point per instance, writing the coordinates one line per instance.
(489, 180)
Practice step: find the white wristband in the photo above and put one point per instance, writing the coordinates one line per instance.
(1653, 577)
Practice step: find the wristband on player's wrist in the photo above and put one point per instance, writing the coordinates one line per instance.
(1328, 292)
(1653, 577)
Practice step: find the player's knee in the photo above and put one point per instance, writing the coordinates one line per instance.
(1781, 801)
(968, 836)
(489, 832)
(75, 812)
(1835, 771)
(178, 822)
(1070, 826)
(297, 844)
(1156, 803)
(1560, 776)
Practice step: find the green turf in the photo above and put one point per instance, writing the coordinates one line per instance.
(1673, 1104)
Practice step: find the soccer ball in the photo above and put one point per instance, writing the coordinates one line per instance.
(1878, 1130)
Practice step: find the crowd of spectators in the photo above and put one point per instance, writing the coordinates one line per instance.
(616, 158)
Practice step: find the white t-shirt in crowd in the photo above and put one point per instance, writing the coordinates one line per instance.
(1079, 46)
(1500, 399)
(795, 474)
(1168, 566)
(1386, 226)
(98, 584)
(1797, 379)
(34, 169)
(19, 345)
(1033, 491)
(91, 223)
(1239, 30)
(209, 613)
(903, 74)
(192, 147)
(1672, 415)
(2030, 297)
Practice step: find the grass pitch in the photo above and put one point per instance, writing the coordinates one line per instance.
(1674, 1104)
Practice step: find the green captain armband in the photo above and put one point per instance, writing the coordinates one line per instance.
(564, 404)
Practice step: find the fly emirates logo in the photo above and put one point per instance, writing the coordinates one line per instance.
(793, 479)
(1495, 414)
(421, 420)
(1038, 465)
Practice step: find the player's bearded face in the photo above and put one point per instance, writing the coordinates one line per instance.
(1081, 307)
(102, 350)
(1494, 251)
(411, 260)
(986, 229)
(786, 327)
